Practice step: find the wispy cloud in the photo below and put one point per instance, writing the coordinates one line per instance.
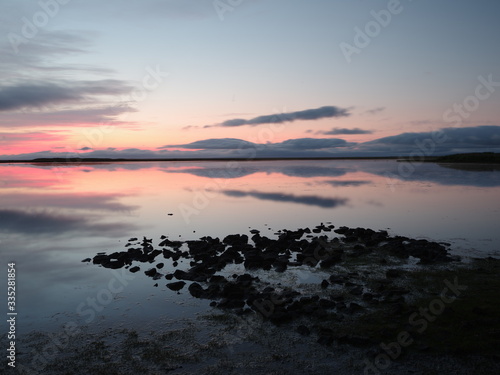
(97, 114)
(278, 118)
(485, 135)
(36, 95)
(239, 144)
(338, 131)
(16, 138)
(374, 111)
(40, 88)
(215, 143)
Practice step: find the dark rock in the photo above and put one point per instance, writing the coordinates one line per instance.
(336, 279)
(86, 260)
(303, 330)
(337, 297)
(196, 290)
(151, 272)
(169, 276)
(358, 341)
(218, 279)
(331, 260)
(231, 304)
(350, 239)
(356, 291)
(176, 286)
(233, 290)
(100, 259)
(341, 306)
(324, 284)
(326, 303)
(341, 230)
(183, 275)
(160, 265)
(325, 340)
(392, 273)
(134, 269)
(236, 239)
(268, 290)
(354, 307)
(367, 297)
(325, 336)
(280, 316)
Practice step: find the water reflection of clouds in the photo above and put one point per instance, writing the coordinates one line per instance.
(442, 175)
(240, 170)
(311, 200)
(44, 222)
(426, 172)
(86, 201)
(347, 183)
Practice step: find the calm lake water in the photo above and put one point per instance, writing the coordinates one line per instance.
(52, 217)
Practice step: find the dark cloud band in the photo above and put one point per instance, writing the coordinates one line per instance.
(338, 131)
(278, 118)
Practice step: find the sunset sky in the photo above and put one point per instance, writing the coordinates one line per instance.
(205, 78)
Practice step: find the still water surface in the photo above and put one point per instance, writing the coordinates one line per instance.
(52, 217)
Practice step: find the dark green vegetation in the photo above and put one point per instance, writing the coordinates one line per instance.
(463, 323)
(478, 157)
(467, 158)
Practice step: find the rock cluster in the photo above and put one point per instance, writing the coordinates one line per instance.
(245, 293)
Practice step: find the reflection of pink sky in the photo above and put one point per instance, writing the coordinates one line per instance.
(27, 177)
(146, 192)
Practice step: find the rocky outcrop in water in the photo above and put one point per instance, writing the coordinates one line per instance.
(292, 249)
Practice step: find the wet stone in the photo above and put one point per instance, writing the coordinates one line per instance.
(176, 286)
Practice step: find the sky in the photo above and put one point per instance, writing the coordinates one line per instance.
(248, 78)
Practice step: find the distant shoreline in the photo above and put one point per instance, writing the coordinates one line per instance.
(468, 158)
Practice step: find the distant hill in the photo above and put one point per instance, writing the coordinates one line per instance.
(476, 157)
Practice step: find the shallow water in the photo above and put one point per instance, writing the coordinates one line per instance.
(52, 217)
